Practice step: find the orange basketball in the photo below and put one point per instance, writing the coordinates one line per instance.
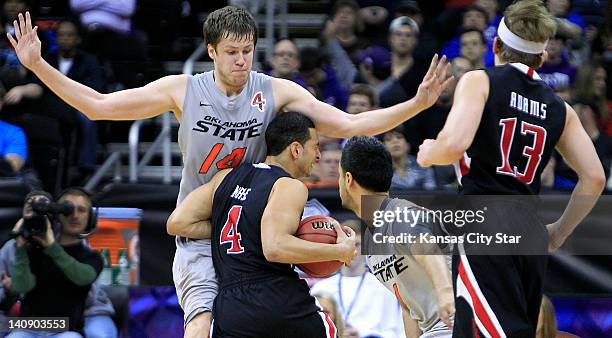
(318, 229)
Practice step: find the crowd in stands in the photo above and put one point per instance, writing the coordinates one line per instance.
(386, 46)
(370, 54)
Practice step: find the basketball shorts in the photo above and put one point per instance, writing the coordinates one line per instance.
(270, 307)
(499, 295)
(194, 277)
(440, 330)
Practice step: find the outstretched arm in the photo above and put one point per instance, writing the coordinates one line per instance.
(578, 151)
(462, 122)
(333, 122)
(191, 218)
(165, 94)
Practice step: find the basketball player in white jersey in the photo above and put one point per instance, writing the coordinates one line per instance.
(419, 276)
(223, 115)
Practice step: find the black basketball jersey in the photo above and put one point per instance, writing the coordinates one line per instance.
(239, 203)
(521, 124)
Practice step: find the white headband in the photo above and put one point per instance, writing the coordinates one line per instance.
(516, 42)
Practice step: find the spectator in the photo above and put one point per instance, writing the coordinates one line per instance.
(321, 78)
(15, 81)
(428, 43)
(374, 14)
(569, 24)
(403, 38)
(362, 98)
(109, 35)
(405, 69)
(407, 174)
(328, 165)
(347, 26)
(84, 68)
(565, 177)
(460, 66)
(491, 7)
(590, 88)
(557, 71)
(55, 276)
(13, 149)
(366, 307)
(375, 67)
(473, 17)
(474, 48)
(10, 9)
(601, 141)
(286, 62)
(98, 307)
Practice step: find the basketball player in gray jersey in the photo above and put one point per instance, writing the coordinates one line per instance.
(418, 275)
(223, 116)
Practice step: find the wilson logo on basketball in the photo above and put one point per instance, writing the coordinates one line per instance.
(322, 225)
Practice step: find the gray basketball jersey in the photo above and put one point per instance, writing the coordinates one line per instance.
(218, 132)
(400, 272)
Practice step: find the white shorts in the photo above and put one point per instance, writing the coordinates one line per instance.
(194, 277)
(440, 330)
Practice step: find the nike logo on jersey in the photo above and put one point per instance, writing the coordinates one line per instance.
(203, 104)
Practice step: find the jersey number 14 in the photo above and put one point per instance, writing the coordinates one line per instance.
(232, 160)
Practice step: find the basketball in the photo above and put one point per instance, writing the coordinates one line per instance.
(318, 229)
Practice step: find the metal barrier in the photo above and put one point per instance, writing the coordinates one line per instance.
(164, 137)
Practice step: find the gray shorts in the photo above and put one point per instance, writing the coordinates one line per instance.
(194, 277)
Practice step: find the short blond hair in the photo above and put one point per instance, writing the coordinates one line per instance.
(530, 20)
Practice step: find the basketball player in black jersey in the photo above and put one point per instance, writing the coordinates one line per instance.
(255, 210)
(503, 126)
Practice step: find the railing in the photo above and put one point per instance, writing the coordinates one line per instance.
(164, 137)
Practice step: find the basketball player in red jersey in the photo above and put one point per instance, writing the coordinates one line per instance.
(502, 128)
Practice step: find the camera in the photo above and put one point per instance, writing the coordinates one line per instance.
(43, 209)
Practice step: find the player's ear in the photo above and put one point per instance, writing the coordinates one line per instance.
(295, 149)
(211, 51)
(496, 45)
(543, 58)
(348, 178)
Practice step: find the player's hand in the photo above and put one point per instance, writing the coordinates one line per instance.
(423, 154)
(437, 78)
(345, 238)
(49, 237)
(6, 282)
(20, 241)
(25, 42)
(446, 307)
(555, 237)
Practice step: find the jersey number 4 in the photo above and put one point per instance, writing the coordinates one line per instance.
(533, 153)
(232, 160)
(230, 234)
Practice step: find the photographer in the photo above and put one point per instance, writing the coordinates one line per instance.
(54, 277)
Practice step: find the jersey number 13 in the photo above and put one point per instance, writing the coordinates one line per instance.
(533, 152)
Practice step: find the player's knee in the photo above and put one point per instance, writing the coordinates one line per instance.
(199, 326)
